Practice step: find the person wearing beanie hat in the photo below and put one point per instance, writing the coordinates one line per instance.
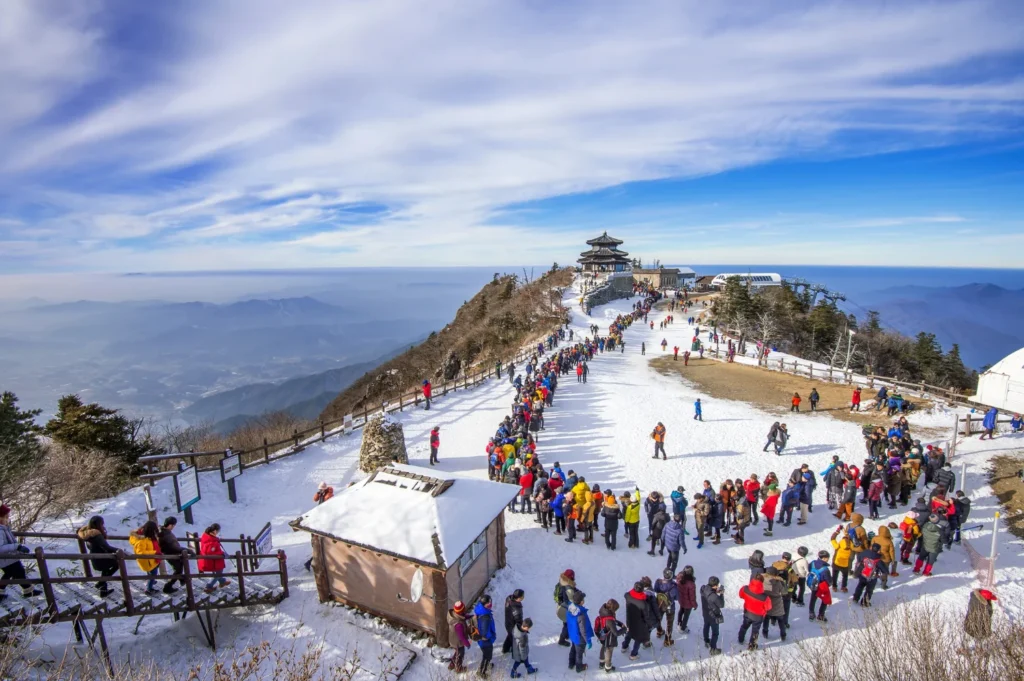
(458, 637)
(12, 567)
(819, 579)
(800, 566)
(932, 540)
(564, 590)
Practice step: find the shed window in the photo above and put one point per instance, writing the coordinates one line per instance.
(470, 556)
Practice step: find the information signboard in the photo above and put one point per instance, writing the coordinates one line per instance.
(264, 543)
(186, 488)
(230, 467)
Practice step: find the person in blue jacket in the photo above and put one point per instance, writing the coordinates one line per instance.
(556, 507)
(581, 632)
(790, 499)
(679, 503)
(488, 634)
(882, 398)
(673, 540)
(698, 413)
(989, 423)
(1016, 423)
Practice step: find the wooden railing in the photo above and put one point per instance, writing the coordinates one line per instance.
(834, 375)
(300, 439)
(61, 576)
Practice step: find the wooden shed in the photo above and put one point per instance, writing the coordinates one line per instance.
(405, 532)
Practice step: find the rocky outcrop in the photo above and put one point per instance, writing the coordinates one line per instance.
(451, 366)
(383, 443)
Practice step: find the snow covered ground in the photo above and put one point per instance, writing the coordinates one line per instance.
(601, 429)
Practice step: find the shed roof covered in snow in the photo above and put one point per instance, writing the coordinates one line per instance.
(1002, 386)
(411, 512)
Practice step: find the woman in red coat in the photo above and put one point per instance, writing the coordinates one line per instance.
(771, 502)
(213, 557)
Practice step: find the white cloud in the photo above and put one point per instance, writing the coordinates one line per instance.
(447, 115)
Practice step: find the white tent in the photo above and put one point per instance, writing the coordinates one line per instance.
(1002, 386)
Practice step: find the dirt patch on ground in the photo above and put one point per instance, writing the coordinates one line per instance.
(772, 390)
(1009, 489)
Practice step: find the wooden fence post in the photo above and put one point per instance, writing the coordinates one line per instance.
(282, 565)
(295, 434)
(126, 586)
(44, 575)
(967, 425)
(323, 430)
(241, 576)
(266, 451)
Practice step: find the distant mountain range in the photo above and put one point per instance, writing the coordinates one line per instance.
(156, 357)
(305, 396)
(985, 320)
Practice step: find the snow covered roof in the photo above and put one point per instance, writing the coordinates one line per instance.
(1002, 386)
(400, 509)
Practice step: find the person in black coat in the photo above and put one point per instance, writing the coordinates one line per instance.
(95, 536)
(513, 618)
(717, 518)
(169, 546)
(639, 620)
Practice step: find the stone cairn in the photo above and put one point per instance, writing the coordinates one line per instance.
(383, 443)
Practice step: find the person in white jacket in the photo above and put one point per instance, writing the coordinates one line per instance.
(800, 567)
(10, 564)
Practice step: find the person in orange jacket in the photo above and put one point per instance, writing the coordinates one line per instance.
(756, 606)
(795, 402)
(658, 434)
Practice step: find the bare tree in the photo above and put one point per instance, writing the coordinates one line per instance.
(766, 327)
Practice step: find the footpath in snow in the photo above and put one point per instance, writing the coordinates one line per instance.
(601, 430)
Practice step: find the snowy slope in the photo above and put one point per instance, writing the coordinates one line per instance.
(602, 430)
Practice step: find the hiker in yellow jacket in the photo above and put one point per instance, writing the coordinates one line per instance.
(145, 542)
(841, 560)
(631, 518)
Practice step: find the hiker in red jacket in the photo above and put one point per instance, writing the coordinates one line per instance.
(756, 605)
(752, 490)
(428, 390)
(855, 400)
(435, 442)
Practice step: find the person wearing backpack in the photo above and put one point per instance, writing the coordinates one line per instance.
(607, 629)
(667, 590)
(458, 637)
(818, 583)
(564, 590)
(841, 560)
(484, 622)
(869, 563)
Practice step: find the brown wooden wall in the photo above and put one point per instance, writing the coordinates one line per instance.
(372, 581)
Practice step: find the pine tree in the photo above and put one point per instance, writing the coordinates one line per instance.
(91, 426)
(955, 374)
(928, 356)
(19, 439)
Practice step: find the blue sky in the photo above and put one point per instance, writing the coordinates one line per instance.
(192, 135)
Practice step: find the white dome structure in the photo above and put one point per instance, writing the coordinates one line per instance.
(1002, 386)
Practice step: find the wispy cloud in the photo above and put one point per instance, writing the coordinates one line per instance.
(262, 123)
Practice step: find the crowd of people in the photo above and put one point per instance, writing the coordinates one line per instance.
(652, 609)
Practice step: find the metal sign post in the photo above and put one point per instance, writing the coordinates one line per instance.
(186, 490)
(230, 468)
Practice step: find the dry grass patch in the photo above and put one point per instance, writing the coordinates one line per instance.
(772, 390)
(1009, 488)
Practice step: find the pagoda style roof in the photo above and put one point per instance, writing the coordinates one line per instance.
(605, 240)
